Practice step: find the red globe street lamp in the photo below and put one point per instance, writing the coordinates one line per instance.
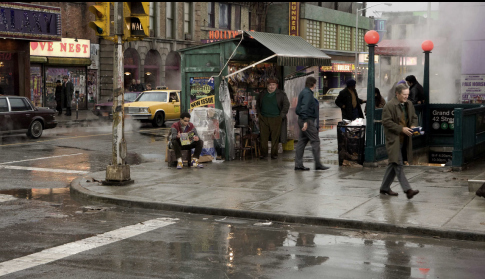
(371, 38)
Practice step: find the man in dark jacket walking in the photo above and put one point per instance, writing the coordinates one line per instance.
(307, 111)
(67, 91)
(416, 91)
(58, 96)
(272, 106)
(398, 117)
(348, 101)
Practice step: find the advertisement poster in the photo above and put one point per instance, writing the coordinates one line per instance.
(202, 92)
(36, 86)
(473, 89)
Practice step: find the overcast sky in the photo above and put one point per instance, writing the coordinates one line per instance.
(400, 7)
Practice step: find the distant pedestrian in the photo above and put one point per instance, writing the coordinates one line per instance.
(58, 96)
(307, 111)
(66, 96)
(139, 86)
(272, 105)
(349, 103)
(132, 87)
(398, 117)
(379, 101)
(149, 86)
(416, 91)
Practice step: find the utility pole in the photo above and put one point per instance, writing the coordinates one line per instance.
(118, 172)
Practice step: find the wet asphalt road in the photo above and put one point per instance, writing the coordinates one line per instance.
(38, 214)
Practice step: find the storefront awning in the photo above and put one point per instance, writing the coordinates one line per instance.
(291, 50)
(69, 61)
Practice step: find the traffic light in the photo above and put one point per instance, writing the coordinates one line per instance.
(136, 15)
(102, 23)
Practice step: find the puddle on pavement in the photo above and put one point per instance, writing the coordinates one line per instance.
(45, 194)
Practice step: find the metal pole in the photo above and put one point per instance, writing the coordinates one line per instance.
(356, 48)
(370, 105)
(118, 172)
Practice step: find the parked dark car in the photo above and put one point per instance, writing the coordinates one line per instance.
(105, 110)
(19, 115)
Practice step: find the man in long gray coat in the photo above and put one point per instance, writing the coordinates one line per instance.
(66, 96)
(398, 117)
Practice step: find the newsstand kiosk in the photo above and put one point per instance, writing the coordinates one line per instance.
(229, 74)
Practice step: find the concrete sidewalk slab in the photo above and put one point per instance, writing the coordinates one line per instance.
(271, 189)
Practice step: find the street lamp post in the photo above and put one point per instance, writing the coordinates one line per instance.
(427, 47)
(371, 38)
(356, 33)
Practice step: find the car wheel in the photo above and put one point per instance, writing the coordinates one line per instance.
(158, 120)
(35, 130)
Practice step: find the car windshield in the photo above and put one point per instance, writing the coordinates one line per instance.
(130, 96)
(152, 97)
(334, 91)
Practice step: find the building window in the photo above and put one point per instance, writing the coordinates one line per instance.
(210, 15)
(153, 19)
(344, 38)
(313, 33)
(187, 18)
(360, 40)
(330, 36)
(250, 25)
(224, 16)
(170, 20)
(238, 17)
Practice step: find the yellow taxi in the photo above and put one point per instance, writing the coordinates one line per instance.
(155, 106)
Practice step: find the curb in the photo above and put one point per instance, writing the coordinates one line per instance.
(77, 190)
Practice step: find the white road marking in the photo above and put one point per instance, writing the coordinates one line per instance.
(69, 249)
(4, 198)
(41, 158)
(41, 169)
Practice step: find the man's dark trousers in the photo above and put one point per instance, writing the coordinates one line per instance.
(270, 126)
(310, 135)
(178, 147)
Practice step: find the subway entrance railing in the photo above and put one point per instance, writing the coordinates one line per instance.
(456, 127)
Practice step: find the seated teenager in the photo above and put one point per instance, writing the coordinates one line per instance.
(184, 137)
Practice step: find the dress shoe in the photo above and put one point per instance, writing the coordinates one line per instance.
(274, 157)
(390, 193)
(59, 113)
(322, 168)
(263, 157)
(411, 193)
(302, 168)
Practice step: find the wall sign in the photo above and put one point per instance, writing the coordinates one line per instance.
(66, 48)
(442, 121)
(294, 19)
(30, 22)
(338, 67)
(440, 157)
(473, 88)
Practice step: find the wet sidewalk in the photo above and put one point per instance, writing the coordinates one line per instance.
(82, 117)
(271, 190)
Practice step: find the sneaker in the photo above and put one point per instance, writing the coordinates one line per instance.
(180, 165)
(195, 163)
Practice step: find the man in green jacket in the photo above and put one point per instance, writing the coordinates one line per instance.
(398, 117)
(272, 106)
(307, 111)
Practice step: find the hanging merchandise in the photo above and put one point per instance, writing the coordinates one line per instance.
(225, 100)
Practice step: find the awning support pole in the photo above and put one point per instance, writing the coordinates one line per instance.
(252, 65)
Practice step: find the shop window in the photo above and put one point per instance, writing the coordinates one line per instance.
(344, 38)
(238, 17)
(170, 20)
(9, 77)
(152, 69)
(313, 33)
(210, 15)
(224, 16)
(330, 36)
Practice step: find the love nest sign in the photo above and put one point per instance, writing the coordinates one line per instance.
(65, 48)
